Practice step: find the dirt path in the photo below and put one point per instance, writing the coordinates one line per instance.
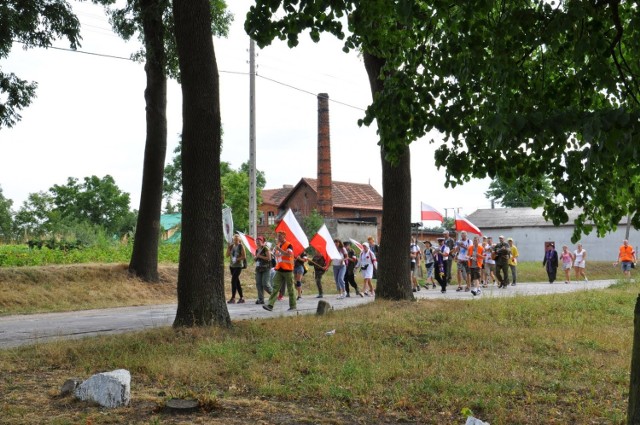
(30, 329)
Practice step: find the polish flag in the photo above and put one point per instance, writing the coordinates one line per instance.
(227, 225)
(323, 243)
(463, 224)
(427, 212)
(295, 235)
(249, 242)
(356, 243)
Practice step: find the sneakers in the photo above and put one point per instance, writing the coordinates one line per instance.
(433, 286)
(513, 284)
(366, 293)
(459, 288)
(360, 293)
(340, 297)
(241, 301)
(444, 291)
(292, 309)
(268, 307)
(473, 292)
(319, 296)
(280, 297)
(467, 289)
(299, 298)
(259, 301)
(231, 301)
(348, 295)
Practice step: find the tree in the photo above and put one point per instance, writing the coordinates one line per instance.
(35, 23)
(95, 201)
(312, 223)
(6, 218)
(520, 193)
(201, 298)
(542, 89)
(152, 20)
(392, 36)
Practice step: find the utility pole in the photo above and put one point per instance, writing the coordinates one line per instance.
(253, 205)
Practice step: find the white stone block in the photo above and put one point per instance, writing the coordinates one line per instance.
(108, 389)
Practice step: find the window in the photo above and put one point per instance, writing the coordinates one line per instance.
(271, 218)
(260, 218)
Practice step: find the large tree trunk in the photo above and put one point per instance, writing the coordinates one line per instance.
(144, 258)
(394, 281)
(200, 278)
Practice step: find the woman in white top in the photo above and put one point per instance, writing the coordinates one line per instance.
(367, 262)
(580, 262)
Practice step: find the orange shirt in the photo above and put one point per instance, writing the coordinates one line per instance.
(626, 253)
(479, 257)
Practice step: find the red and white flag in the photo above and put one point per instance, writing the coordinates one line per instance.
(248, 242)
(227, 224)
(427, 212)
(356, 243)
(295, 235)
(323, 243)
(463, 224)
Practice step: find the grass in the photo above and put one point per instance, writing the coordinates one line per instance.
(559, 359)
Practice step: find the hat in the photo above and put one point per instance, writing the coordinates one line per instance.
(446, 232)
(365, 244)
(500, 237)
(510, 239)
(440, 239)
(260, 238)
(346, 243)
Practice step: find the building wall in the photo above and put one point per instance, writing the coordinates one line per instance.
(530, 241)
(357, 231)
(303, 201)
(265, 228)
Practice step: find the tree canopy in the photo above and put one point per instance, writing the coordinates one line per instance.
(34, 23)
(523, 192)
(532, 88)
(6, 218)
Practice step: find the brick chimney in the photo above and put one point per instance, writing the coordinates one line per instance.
(325, 199)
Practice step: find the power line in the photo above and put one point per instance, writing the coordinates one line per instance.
(64, 49)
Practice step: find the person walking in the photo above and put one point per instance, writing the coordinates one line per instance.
(566, 257)
(428, 262)
(450, 243)
(475, 265)
(320, 266)
(367, 263)
(489, 263)
(550, 262)
(340, 269)
(414, 255)
(298, 272)
(283, 251)
(263, 269)
(580, 262)
(626, 257)
(440, 255)
(502, 252)
(350, 275)
(375, 248)
(237, 256)
(513, 261)
(462, 247)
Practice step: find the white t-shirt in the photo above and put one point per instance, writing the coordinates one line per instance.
(463, 248)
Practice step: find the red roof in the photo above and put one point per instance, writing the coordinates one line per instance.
(275, 196)
(348, 195)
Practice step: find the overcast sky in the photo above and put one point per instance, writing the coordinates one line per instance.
(89, 119)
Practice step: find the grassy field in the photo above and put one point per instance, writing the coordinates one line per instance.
(559, 359)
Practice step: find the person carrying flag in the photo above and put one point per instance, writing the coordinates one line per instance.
(283, 251)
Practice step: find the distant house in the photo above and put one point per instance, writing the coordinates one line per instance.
(530, 231)
(356, 207)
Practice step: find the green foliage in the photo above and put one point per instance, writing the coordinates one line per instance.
(70, 208)
(522, 192)
(127, 22)
(312, 223)
(35, 23)
(103, 251)
(6, 218)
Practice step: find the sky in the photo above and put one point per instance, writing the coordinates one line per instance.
(89, 116)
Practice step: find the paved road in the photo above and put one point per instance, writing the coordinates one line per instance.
(30, 329)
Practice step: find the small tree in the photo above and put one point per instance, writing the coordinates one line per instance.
(524, 191)
(6, 218)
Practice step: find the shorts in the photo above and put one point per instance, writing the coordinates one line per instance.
(430, 270)
(566, 266)
(298, 269)
(413, 265)
(489, 267)
(463, 268)
(475, 273)
(580, 264)
(626, 266)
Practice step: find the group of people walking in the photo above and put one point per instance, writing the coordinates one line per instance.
(276, 270)
(576, 260)
(478, 262)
